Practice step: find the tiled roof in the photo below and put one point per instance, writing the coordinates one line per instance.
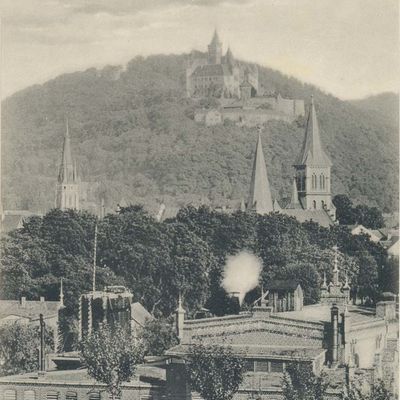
(319, 216)
(282, 285)
(31, 308)
(260, 351)
(140, 314)
(212, 70)
(81, 377)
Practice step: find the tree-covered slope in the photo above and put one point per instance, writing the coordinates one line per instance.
(132, 132)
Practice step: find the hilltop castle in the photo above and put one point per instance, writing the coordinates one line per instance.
(236, 86)
(220, 76)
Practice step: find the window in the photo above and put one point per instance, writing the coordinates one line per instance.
(29, 395)
(322, 181)
(10, 395)
(261, 366)
(71, 396)
(314, 204)
(94, 396)
(249, 365)
(52, 395)
(276, 366)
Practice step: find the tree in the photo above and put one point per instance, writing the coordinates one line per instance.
(19, 345)
(378, 391)
(300, 383)
(158, 336)
(111, 357)
(344, 210)
(214, 371)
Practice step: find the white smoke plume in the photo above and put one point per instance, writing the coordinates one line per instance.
(241, 273)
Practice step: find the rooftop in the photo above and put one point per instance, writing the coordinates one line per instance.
(28, 308)
(260, 351)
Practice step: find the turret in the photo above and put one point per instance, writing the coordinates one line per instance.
(179, 319)
(215, 50)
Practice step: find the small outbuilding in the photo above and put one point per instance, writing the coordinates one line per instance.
(285, 295)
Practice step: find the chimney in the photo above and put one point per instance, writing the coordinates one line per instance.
(42, 362)
(180, 319)
(334, 333)
(23, 302)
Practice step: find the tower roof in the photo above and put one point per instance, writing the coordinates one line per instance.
(294, 201)
(229, 57)
(215, 40)
(311, 151)
(260, 199)
(67, 172)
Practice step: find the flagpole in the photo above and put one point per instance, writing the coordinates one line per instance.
(94, 258)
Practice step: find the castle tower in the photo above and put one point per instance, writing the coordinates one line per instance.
(215, 50)
(260, 199)
(313, 168)
(229, 59)
(68, 185)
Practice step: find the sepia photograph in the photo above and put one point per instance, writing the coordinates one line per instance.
(199, 199)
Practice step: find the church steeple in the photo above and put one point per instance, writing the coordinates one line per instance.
(67, 190)
(311, 152)
(313, 169)
(215, 50)
(260, 199)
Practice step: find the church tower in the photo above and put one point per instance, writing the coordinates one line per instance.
(215, 50)
(68, 185)
(260, 199)
(313, 169)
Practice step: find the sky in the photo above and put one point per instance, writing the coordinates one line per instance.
(349, 48)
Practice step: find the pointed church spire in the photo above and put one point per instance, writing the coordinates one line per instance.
(260, 199)
(311, 151)
(294, 201)
(67, 170)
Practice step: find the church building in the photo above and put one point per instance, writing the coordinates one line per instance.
(68, 184)
(311, 192)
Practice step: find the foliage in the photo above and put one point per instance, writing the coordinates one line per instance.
(378, 391)
(300, 383)
(214, 371)
(134, 139)
(370, 217)
(19, 345)
(111, 356)
(158, 335)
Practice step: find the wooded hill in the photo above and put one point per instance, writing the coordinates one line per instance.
(132, 132)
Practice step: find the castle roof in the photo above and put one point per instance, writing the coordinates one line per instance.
(260, 199)
(67, 172)
(215, 40)
(212, 70)
(311, 152)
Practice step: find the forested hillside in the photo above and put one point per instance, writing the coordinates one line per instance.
(132, 132)
(385, 105)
